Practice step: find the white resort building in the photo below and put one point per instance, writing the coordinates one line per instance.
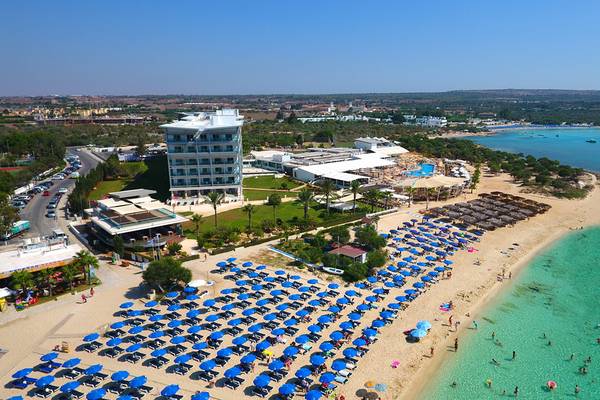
(205, 154)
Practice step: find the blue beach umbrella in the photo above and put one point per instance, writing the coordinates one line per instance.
(336, 335)
(278, 331)
(346, 325)
(262, 380)
(303, 373)
(175, 323)
(73, 362)
(327, 377)
(69, 386)
(290, 351)
(280, 272)
(158, 353)
(317, 360)
(231, 259)
(362, 307)
(314, 395)
(133, 348)
(22, 373)
(424, 324)
(96, 394)
(232, 372)
(200, 346)
(182, 359)
(312, 281)
(156, 317)
(201, 396)
(172, 295)
(302, 313)
(418, 333)
(177, 339)
(287, 284)
(314, 328)
(169, 390)
(91, 337)
(93, 369)
(174, 307)
(212, 318)
(359, 342)
(119, 376)
(287, 389)
(134, 330)
(418, 285)
(225, 353)
(332, 309)
(248, 359)
(338, 365)
(209, 303)
(156, 334)
(255, 328)
(192, 313)
(221, 264)
(354, 316)
(240, 340)
(370, 332)
(126, 305)
(282, 307)
(324, 319)
(208, 365)
(138, 381)
(261, 346)
(302, 339)
(276, 365)
(216, 335)
(333, 286)
(44, 381)
(350, 352)
(270, 317)
(49, 357)
(114, 342)
(326, 346)
(290, 322)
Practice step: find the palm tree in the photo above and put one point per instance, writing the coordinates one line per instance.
(305, 196)
(215, 198)
(87, 261)
(69, 273)
(274, 201)
(22, 280)
(428, 192)
(45, 278)
(372, 196)
(410, 191)
(196, 220)
(327, 188)
(354, 188)
(249, 210)
(386, 196)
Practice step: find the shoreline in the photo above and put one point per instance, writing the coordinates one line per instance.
(492, 131)
(415, 390)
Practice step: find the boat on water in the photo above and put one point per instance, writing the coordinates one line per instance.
(590, 141)
(333, 271)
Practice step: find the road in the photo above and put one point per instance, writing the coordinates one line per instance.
(35, 211)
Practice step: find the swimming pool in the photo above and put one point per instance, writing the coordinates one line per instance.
(424, 170)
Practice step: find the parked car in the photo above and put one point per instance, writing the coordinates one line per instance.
(51, 214)
(51, 206)
(46, 193)
(63, 190)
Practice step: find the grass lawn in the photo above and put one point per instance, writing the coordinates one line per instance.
(269, 182)
(238, 218)
(105, 187)
(263, 194)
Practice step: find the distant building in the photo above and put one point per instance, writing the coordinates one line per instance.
(354, 253)
(140, 220)
(429, 121)
(37, 254)
(205, 153)
(379, 145)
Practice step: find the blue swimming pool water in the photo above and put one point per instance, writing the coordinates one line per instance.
(555, 299)
(424, 170)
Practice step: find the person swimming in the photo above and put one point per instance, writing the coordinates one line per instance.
(495, 362)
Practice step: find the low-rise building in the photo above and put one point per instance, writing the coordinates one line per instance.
(140, 220)
(354, 253)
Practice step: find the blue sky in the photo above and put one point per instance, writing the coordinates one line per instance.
(261, 46)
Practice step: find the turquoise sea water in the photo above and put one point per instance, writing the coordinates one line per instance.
(557, 295)
(565, 144)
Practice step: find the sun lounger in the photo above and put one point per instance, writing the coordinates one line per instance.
(262, 391)
(48, 367)
(46, 391)
(233, 383)
(181, 369)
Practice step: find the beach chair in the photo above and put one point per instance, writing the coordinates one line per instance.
(262, 391)
(22, 383)
(46, 391)
(181, 369)
(220, 361)
(72, 373)
(204, 376)
(48, 367)
(233, 383)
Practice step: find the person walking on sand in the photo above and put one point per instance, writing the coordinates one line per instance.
(92, 291)
(510, 275)
(431, 350)
(83, 298)
(450, 320)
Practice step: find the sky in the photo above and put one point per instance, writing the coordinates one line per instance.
(105, 47)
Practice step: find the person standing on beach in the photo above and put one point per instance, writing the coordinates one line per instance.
(475, 326)
(431, 350)
(450, 321)
(455, 344)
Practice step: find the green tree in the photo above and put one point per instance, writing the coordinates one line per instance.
(305, 197)
(355, 272)
(376, 259)
(475, 178)
(69, 274)
(355, 189)
(428, 192)
(215, 198)
(197, 221)
(165, 273)
(118, 245)
(274, 200)
(340, 234)
(249, 209)
(8, 215)
(327, 189)
(87, 261)
(45, 280)
(367, 237)
(174, 248)
(22, 280)
(410, 192)
(372, 197)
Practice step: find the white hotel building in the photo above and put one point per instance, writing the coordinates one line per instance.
(204, 151)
